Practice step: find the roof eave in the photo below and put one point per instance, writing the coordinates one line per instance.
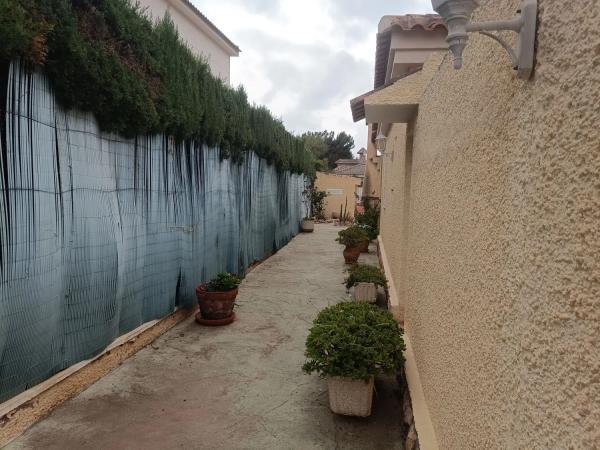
(357, 105)
(397, 113)
(409, 22)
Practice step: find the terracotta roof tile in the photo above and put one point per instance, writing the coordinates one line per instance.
(357, 170)
(408, 22)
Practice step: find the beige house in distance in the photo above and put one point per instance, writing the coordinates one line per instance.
(490, 234)
(344, 187)
(201, 35)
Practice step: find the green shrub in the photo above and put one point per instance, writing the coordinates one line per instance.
(371, 232)
(317, 203)
(369, 220)
(138, 77)
(354, 340)
(22, 31)
(223, 282)
(353, 236)
(362, 273)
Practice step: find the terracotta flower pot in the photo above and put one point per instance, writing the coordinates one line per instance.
(364, 247)
(215, 305)
(351, 254)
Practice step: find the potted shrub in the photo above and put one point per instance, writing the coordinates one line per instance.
(365, 279)
(216, 299)
(307, 225)
(352, 238)
(369, 219)
(364, 248)
(349, 344)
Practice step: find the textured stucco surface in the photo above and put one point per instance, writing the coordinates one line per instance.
(407, 90)
(372, 180)
(503, 255)
(392, 220)
(347, 198)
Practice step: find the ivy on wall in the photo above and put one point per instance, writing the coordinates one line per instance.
(138, 77)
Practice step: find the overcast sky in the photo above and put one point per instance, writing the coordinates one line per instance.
(305, 59)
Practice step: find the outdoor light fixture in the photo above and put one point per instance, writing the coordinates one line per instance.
(457, 13)
(380, 142)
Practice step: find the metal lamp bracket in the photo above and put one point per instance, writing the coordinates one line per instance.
(524, 24)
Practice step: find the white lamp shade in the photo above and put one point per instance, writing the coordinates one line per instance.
(380, 142)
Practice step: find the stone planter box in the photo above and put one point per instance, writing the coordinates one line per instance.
(365, 292)
(350, 397)
(307, 226)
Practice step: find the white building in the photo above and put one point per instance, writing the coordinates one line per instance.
(201, 35)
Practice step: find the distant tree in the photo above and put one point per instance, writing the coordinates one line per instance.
(339, 147)
(328, 147)
(314, 142)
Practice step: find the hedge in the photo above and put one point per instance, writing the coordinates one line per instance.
(138, 77)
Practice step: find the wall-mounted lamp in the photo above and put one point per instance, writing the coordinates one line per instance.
(381, 144)
(457, 13)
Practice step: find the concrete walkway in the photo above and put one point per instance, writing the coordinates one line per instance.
(237, 387)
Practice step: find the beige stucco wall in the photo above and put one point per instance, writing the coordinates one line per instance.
(202, 42)
(501, 283)
(372, 180)
(347, 184)
(392, 223)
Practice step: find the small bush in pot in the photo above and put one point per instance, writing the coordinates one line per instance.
(369, 219)
(349, 344)
(223, 282)
(308, 225)
(352, 238)
(216, 298)
(365, 279)
(370, 233)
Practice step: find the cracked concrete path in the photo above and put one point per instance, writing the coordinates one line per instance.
(236, 387)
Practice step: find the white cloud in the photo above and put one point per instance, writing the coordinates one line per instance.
(306, 59)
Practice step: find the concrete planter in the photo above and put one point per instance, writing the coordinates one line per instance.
(365, 292)
(350, 397)
(307, 226)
